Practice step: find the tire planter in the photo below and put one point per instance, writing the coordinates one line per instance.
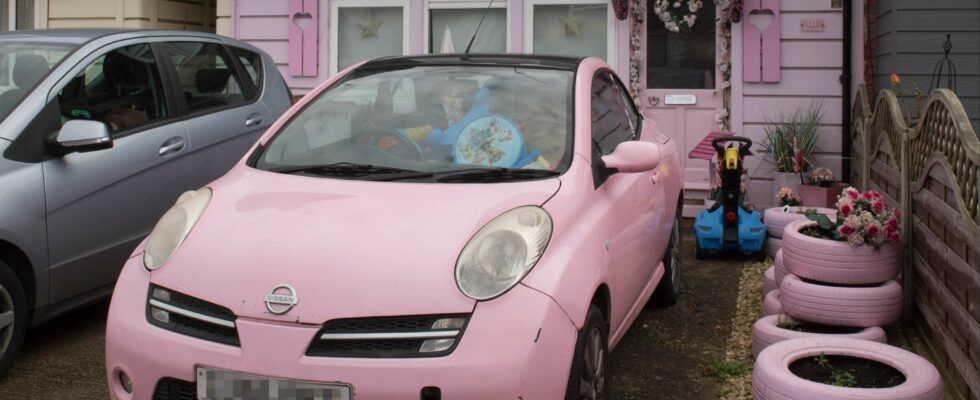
(776, 220)
(769, 281)
(766, 332)
(838, 262)
(771, 304)
(856, 306)
(773, 244)
(772, 378)
(781, 271)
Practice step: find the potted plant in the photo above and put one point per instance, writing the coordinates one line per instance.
(860, 247)
(773, 329)
(838, 368)
(789, 143)
(820, 189)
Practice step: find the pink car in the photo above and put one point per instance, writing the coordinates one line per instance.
(482, 227)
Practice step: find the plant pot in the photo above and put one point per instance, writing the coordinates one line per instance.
(777, 372)
(769, 281)
(781, 271)
(785, 179)
(773, 244)
(816, 196)
(834, 261)
(771, 304)
(776, 220)
(767, 331)
(858, 306)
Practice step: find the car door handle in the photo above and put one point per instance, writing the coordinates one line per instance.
(172, 145)
(253, 120)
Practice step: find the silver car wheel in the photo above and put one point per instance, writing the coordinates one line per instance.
(6, 320)
(593, 384)
(675, 254)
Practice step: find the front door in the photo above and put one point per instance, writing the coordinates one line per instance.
(683, 88)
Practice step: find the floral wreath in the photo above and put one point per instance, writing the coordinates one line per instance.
(676, 15)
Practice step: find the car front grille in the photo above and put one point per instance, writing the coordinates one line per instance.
(175, 389)
(191, 316)
(389, 337)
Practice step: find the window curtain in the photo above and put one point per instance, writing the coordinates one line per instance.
(461, 24)
(575, 30)
(25, 14)
(365, 33)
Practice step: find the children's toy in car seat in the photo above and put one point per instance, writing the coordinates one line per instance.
(728, 225)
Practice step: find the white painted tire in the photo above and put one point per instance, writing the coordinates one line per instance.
(766, 332)
(832, 261)
(859, 307)
(769, 281)
(781, 271)
(773, 244)
(776, 219)
(771, 304)
(772, 379)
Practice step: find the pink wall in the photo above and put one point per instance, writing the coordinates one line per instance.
(810, 69)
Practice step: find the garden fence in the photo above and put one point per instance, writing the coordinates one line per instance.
(930, 170)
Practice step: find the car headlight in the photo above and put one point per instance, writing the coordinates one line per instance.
(174, 227)
(502, 252)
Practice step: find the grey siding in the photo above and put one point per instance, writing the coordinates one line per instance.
(909, 38)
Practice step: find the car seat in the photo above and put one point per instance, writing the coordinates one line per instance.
(28, 69)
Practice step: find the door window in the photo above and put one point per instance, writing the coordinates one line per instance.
(452, 24)
(362, 31)
(206, 75)
(123, 88)
(252, 63)
(614, 120)
(682, 60)
(573, 28)
(16, 15)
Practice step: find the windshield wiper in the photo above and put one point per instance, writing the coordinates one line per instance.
(492, 174)
(354, 170)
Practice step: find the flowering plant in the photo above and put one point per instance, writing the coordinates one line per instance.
(821, 176)
(787, 197)
(862, 219)
(677, 15)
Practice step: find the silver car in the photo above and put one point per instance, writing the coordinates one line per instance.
(100, 131)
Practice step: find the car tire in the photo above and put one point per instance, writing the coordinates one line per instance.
(593, 337)
(772, 378)
(772, 304)
(13, 317)
(776, 220)
(781, 271)
(669, 287)
(773, 244)
(834, 261)
(769, 281)
(766, 332)
(856, 306)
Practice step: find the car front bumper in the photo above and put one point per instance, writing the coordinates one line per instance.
(517, 346)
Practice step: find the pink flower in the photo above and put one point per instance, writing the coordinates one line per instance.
(846, 209)
(894, 236)
(892, 223)
(878, 206)
(852, 193)
(896, 213)
(845, 230)
(868, 195)
(872, 229)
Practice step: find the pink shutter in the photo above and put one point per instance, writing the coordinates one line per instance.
(303, 37)
(760, 50)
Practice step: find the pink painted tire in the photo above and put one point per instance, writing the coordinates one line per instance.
(769, 281)
(766, 332)
(771, 304)
(859, 307)
(776, 220)
(773, 244)
(832, 261)
(772, 379)
(781, 271)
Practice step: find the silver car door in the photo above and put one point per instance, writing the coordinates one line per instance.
(224, 115)
(100, 204)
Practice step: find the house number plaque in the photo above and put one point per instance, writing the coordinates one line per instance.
(680, 99)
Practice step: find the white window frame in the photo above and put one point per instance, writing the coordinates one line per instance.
(12, 15)
(335, 7)
(610, 24)
(460, 4)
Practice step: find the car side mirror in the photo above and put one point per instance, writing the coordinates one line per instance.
(633, 156)
(80, 135)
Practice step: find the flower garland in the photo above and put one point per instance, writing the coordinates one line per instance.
(731, 13)
(638, 11)
(675, 17)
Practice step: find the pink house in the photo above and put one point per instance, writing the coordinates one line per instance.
(722, 73)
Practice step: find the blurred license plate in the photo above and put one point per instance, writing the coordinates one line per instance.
(215, 384)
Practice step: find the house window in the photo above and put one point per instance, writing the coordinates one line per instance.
(451, 24)
(16, 15)
(363, 31)
(570, 27)
(683, 60)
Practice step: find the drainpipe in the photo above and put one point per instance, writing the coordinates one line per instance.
(845, 81)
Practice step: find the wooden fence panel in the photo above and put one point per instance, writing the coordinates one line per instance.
(860, 117)
(886, 133)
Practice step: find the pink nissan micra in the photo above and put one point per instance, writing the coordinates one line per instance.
(423, 227)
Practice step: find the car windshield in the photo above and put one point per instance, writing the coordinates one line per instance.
(432, 122)
(22, 66)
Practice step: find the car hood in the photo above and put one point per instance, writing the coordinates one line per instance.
(349, 248)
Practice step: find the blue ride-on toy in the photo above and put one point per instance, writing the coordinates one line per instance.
(728, 225)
